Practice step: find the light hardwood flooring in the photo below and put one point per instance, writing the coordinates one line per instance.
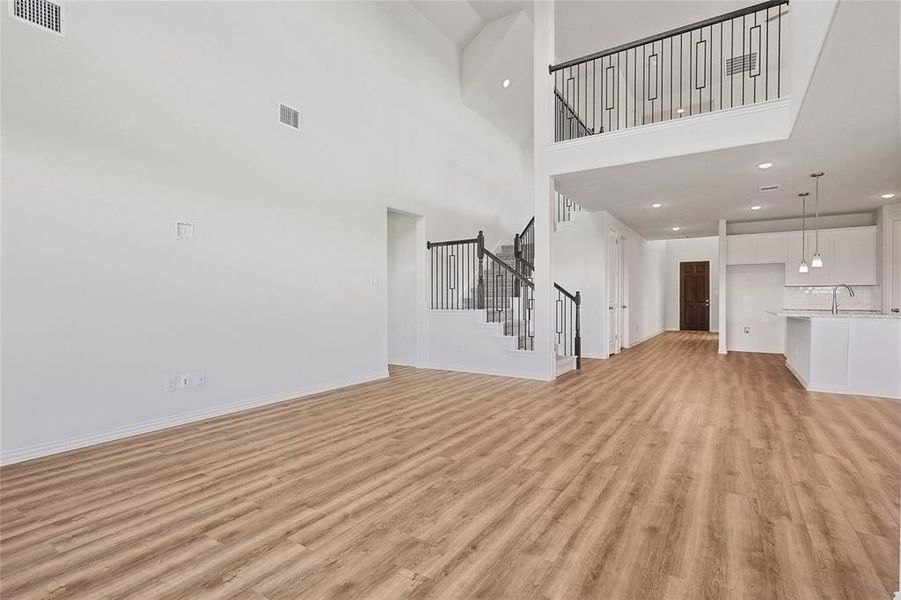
(668, 471)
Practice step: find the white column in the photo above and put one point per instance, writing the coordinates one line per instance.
(543, 55)
(723, 259)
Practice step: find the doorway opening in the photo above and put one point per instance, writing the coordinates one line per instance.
(403, 286)
(694, 296)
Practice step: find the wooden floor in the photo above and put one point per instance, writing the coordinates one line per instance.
(666, 472)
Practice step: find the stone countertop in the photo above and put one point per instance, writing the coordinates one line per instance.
(827, 314)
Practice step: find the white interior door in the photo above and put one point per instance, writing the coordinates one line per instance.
(896, 267)
(622, 290)
(613, 291)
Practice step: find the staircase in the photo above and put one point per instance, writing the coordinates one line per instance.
(465, 276)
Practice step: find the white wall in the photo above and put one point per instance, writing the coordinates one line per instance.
(646, 290)
(751, 291)
(687, 250)
(150, 113)
(580, 263)
(404, 301)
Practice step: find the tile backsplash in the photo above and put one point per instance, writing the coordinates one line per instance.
(866, 297)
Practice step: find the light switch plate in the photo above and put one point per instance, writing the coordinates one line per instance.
(200, 378)
(184, 380)
(169, 384)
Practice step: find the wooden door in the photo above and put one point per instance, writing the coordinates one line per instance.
(694, 296)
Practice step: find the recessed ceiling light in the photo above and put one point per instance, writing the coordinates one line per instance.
(656, 205)
(889, 195)
(676, 228)
(680, 110)
(756, 207)
(506, 83)
(764, 165)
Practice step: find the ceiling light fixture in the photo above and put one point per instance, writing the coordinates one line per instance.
(756, 207)
(764, 165)
(888, 196)
(817, 261)
(802, 268)
(656, 205)
(676, 228)
(506, 83)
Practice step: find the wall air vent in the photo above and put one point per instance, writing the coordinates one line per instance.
(768, 188)
(49, 16)
(746, 63)
(289, 116)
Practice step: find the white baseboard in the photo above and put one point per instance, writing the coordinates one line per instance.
(40, 450)
(646, 338)
(478, 371)
(797, 375)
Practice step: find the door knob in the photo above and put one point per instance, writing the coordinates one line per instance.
(894, 310)
(610, 308)
(624, 306)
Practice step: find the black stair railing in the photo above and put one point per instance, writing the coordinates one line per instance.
(510, 299)
(464, 275)
(568, 323)
(723, 62)
(565, 208)
(524, 249)
(456, 273)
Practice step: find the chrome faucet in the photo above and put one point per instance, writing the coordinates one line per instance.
(835, 291)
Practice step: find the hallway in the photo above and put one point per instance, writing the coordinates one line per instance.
(668, 471)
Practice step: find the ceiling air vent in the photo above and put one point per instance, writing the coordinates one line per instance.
(50, 16)
(768, 188)
(289, 116)
(746, 63)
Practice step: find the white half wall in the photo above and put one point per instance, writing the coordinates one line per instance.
(462, 340)
(148, 114)
(751, 292)
(687, 250)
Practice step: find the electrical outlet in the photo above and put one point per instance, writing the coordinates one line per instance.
(747, 330)
(184, 380)
(200, 378)
(169, 384)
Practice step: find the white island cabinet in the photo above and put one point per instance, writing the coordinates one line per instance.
(849, 353)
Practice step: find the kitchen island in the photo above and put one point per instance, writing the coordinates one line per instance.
(852, 352)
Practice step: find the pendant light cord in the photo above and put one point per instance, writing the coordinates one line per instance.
(817, 219)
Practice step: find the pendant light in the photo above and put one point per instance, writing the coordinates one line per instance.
(817, 261)
(802, 268)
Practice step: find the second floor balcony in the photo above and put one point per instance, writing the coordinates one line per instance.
(729, 61)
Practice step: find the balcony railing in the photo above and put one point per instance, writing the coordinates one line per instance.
(728, 61)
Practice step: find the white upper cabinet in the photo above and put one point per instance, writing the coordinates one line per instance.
(756, 249)
(771, 249)
(742, 249)
(854, 255)
(820, 276)
(849, 255)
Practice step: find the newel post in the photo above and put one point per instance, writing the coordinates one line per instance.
(480, 286)
(578, 338)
